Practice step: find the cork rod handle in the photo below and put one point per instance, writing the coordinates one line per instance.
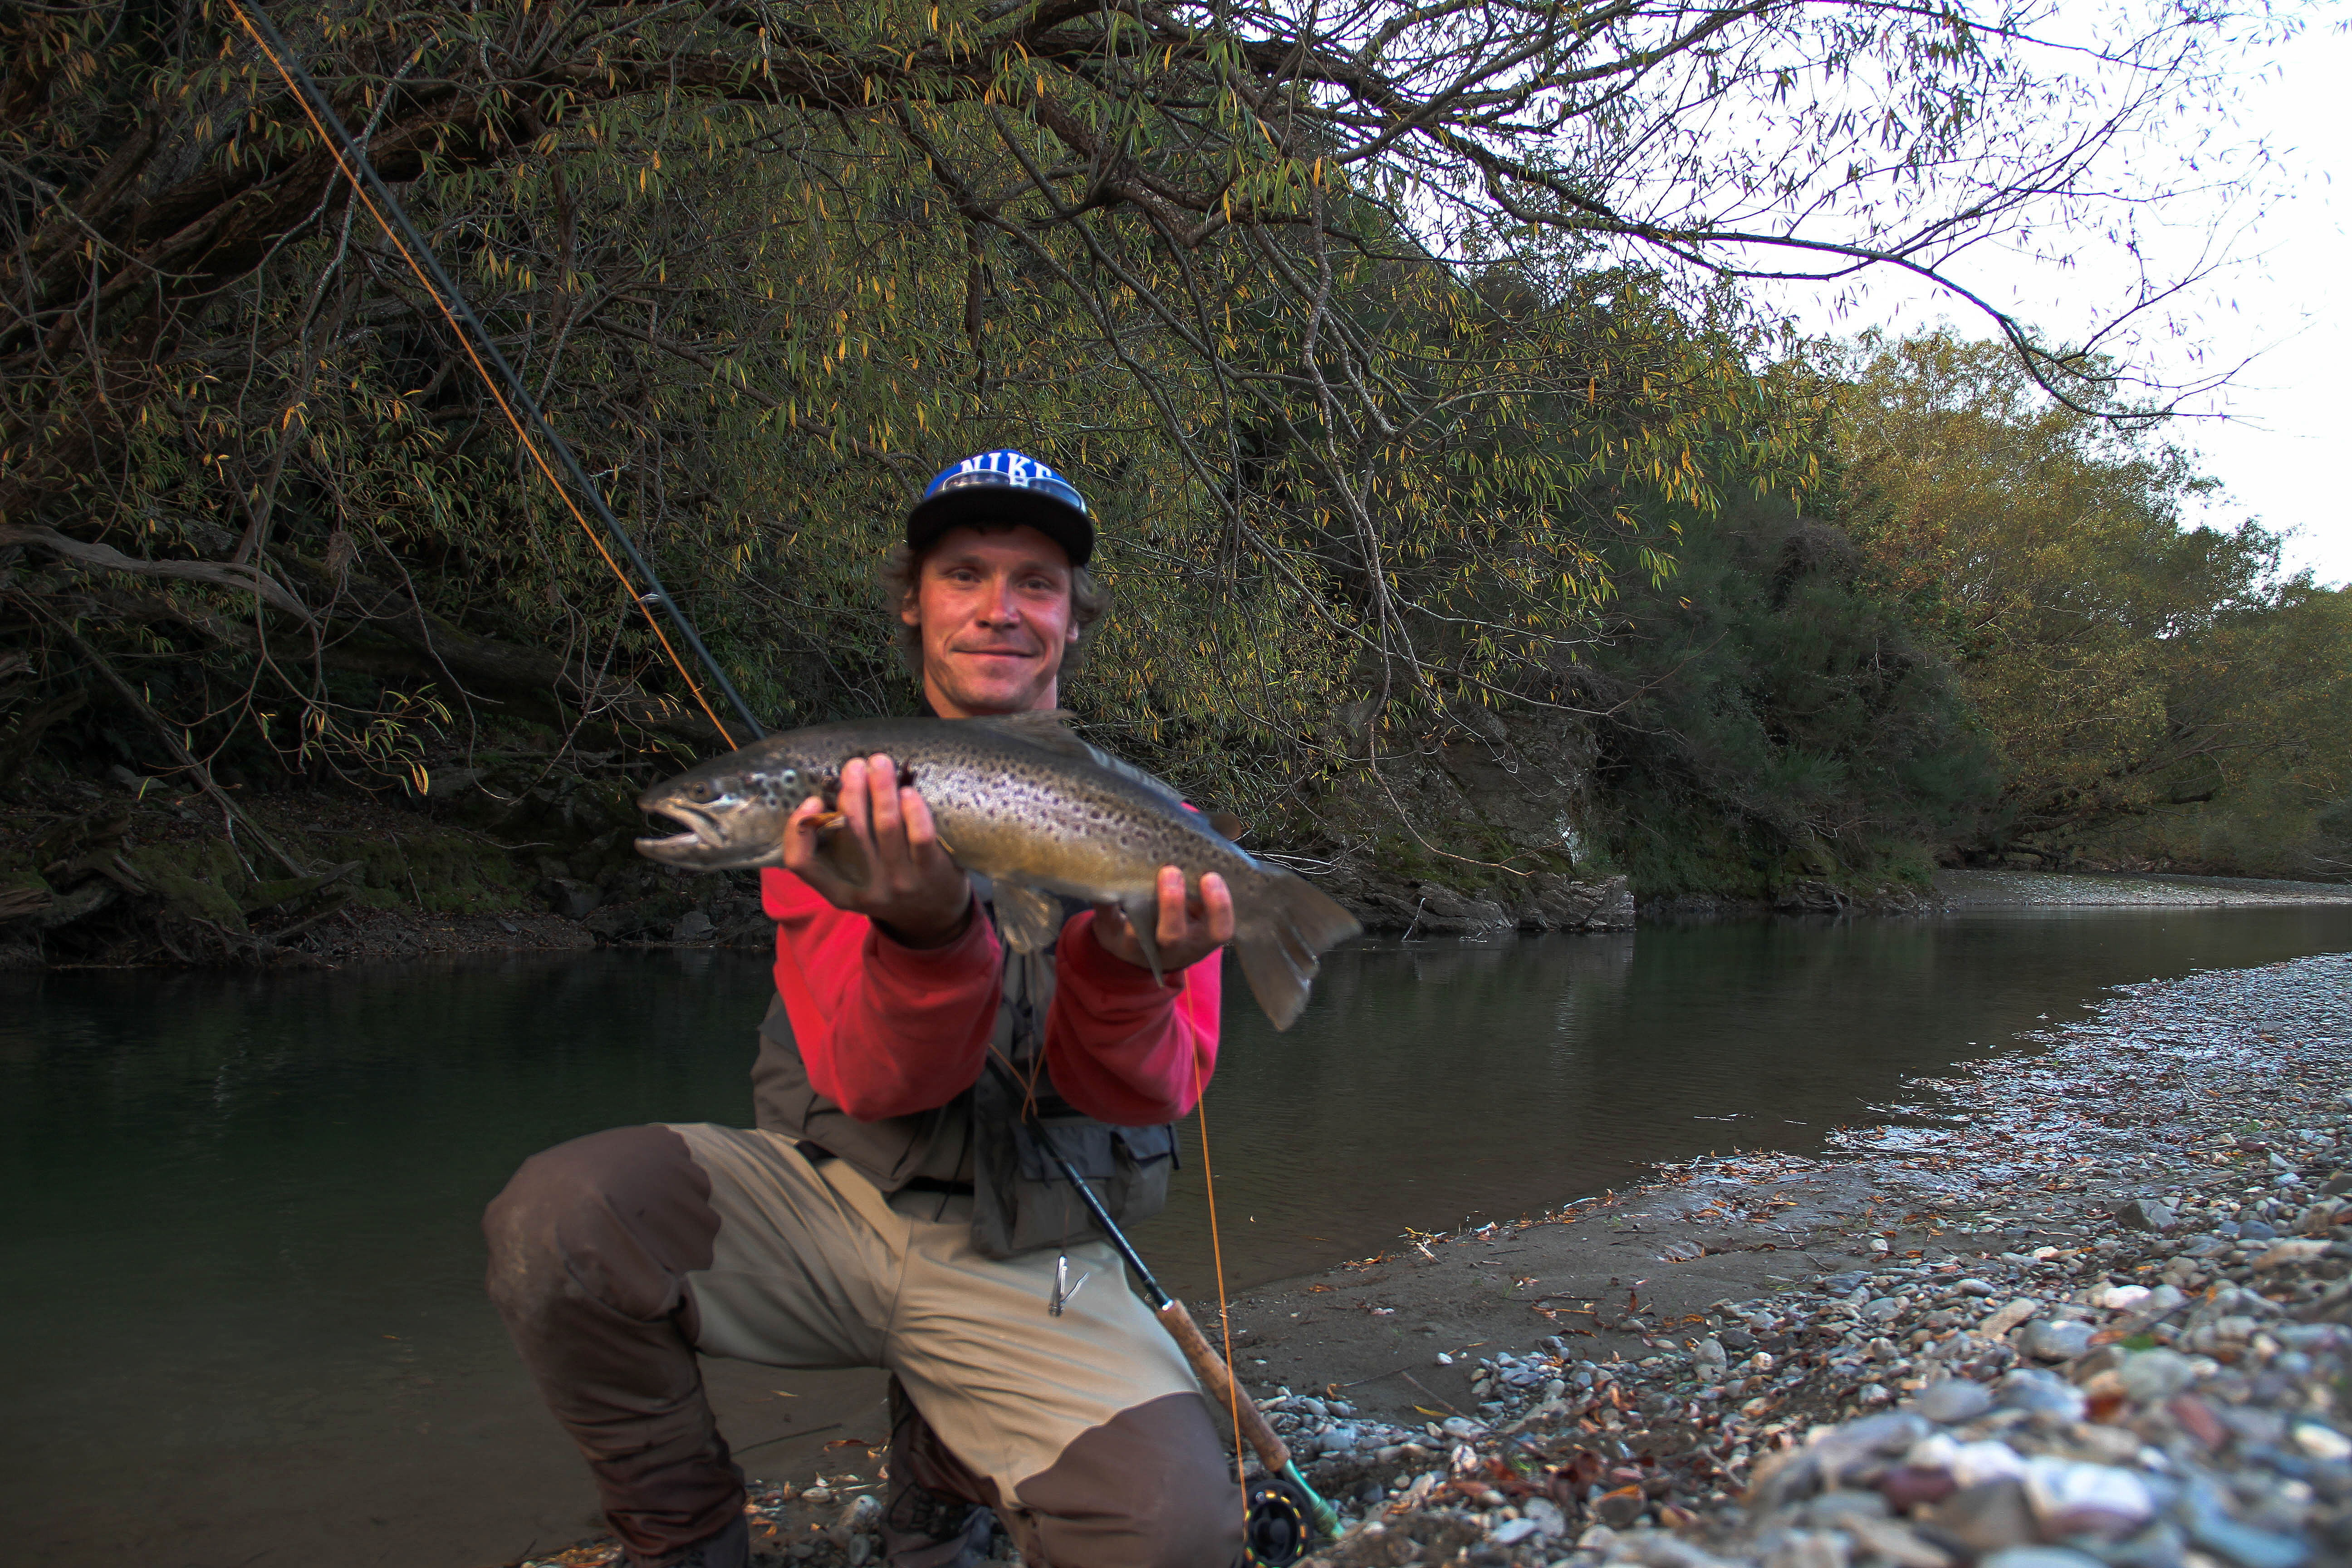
(1217, 1383)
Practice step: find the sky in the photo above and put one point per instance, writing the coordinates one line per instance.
(2276, 436)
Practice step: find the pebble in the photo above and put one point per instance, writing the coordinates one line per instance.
(2154, 1375)
(1952, 1400)
(2056, 1341)
(2040, 1393)
(2147, 1213)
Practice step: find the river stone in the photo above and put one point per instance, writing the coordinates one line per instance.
(2151, 1375)
(1952, 1401)
(2056, 1341)
(572, 899)
(1563, 903)
(1863, 1445)
(2073, 1499)
(1339, 1439)
(2242, 1544)
(2149, 1214)
(1984, 1461)
(2039, 1557)
(2042, 1393)
(1443, 911)
(1832, 1509)
(1986, 1519)
(2322, 1442)
(692, 926)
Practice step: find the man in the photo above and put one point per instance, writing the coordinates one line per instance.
(889, 1210)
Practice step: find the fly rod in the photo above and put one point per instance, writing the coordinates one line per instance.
(1216, 1378)
(504, 384)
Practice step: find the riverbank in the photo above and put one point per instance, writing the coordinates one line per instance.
(2109, 1255)
(2007, 890)
(2086, 1305)
(520, 858)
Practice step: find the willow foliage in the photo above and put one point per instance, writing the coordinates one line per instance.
(1376, 334)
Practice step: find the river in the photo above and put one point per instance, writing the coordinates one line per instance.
(245, 1323)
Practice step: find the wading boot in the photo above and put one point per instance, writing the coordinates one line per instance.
(730, 1548)
(924, 1529)
(928, 1519)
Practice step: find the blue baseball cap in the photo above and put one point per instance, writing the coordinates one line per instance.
(1004, 487)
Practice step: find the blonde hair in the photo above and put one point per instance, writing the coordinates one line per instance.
(902, 578)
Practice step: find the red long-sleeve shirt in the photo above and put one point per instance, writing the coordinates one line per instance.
(889, 1030)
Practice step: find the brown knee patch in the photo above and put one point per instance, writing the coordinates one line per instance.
(623, 1215)
(590, 1244)
(1150, 1488)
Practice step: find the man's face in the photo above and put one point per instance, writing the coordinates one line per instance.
(995, 615)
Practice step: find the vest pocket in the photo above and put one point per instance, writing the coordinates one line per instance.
(1021, 1200)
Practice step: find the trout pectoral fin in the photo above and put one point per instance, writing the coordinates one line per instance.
(825, 822)
(1028, 920)
(1142, 913)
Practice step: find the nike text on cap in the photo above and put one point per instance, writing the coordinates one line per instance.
(1004, 487)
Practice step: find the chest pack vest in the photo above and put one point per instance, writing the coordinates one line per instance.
(989, 1140)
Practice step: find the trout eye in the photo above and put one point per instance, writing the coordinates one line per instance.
(699, 792)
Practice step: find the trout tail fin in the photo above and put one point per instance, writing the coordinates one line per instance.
(1288, 924)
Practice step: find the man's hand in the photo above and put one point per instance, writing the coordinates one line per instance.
(1187, 929)
(910, 886)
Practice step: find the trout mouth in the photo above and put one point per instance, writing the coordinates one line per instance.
(702, 840)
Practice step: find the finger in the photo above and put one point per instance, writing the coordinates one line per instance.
(1217, 905)
(923, 829)
(890, 826)
(801, 833)
(803, 859)
(1175, 920)
(856, 806)
(883, 798)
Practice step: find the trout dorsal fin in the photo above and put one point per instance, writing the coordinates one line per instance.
(1048, 730)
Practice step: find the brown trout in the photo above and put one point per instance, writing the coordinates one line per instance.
(1021, 801)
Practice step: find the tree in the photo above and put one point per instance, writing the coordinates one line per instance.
(769, 264)
(2128, 662)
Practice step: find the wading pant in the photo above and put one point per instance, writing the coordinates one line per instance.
(616, 1258)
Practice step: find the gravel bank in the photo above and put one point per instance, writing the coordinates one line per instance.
(2151, 1374)
(2026, 889)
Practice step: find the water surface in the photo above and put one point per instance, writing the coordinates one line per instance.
(244, 1322)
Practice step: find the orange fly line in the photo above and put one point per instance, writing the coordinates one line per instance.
(465, 341)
